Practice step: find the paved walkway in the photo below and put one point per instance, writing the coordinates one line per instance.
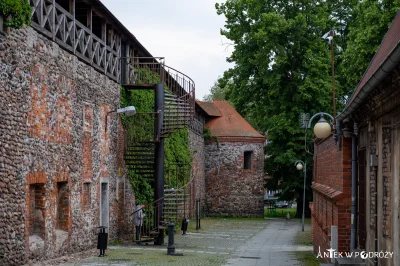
(272, 246)
(222, 242)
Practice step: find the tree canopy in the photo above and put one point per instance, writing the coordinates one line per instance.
(282, 67)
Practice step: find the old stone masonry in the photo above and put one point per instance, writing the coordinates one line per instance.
(57, 163)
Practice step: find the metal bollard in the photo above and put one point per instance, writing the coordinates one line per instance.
(171, 244)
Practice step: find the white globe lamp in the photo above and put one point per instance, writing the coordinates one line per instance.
(322, 129)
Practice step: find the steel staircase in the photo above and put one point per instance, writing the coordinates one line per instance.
(175, 204)
(176, 113)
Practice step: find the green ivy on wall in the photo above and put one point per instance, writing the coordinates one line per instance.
(16, 13)
(176, 146)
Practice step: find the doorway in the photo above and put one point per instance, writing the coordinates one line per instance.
(104, 205)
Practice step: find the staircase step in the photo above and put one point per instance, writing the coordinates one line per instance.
(149, 161)
(173, 190)
(170, 99)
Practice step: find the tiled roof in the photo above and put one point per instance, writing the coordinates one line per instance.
(230, 123)
(209, 108)
(389, 43)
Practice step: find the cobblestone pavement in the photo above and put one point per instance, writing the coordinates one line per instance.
(220, 242)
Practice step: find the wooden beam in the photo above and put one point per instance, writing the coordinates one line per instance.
(104, 32)
(72, 7)
(89, 18)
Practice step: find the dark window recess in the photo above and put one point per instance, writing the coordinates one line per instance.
(65, 4)
(36, 210)
(81, 12)
(62, 206)
(97, 25)
(86, 196)
(247, 160)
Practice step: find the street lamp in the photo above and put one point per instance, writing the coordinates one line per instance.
(322, 129)
(300, 165)
(128, 111)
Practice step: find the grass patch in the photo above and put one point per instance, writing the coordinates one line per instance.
(307, 258)
(279, 212)
(304, 238)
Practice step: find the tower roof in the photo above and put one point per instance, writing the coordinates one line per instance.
(230, 123)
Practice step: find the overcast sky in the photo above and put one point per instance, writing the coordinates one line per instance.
(185, 32)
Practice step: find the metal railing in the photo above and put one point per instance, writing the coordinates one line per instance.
(53, 21)
(196, 126)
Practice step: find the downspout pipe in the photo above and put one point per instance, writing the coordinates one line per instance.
(354, 174)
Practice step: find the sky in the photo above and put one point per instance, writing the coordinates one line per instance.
(185, 32)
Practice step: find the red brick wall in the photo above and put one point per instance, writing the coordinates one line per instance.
(332, 203)
(87, 146)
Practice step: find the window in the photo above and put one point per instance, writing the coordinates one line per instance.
(86, 197)
(62, 206)
(36, 210)
(247, 160)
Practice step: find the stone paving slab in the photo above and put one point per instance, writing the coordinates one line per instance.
(222, 242)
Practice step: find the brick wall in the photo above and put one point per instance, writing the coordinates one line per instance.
(232, 190)
(331, 193)
(52, 121)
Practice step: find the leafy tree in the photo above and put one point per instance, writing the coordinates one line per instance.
(16, 12)
(218, 91)
(371, 20)
(282, 68)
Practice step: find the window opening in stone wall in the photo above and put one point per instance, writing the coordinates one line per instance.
(36, 219)
(247, 160)
(62, 206)
(86, 196)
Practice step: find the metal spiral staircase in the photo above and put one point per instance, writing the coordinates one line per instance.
(150, 128)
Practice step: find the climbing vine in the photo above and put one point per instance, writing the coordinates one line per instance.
(16, 13)
(176, 146)
(209, 137)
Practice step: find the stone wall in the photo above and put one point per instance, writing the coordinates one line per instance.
(232, 190)
(52, 136)
(197, 189)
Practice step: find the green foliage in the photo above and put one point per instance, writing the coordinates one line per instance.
(218, 91)
(143, 100)
(371, 21)
(177, 153)
(141, 127)
(208, 136)
(19, 12)
(282, 68)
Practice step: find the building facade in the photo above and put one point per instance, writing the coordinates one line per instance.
(368, 162)
(234, 163)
